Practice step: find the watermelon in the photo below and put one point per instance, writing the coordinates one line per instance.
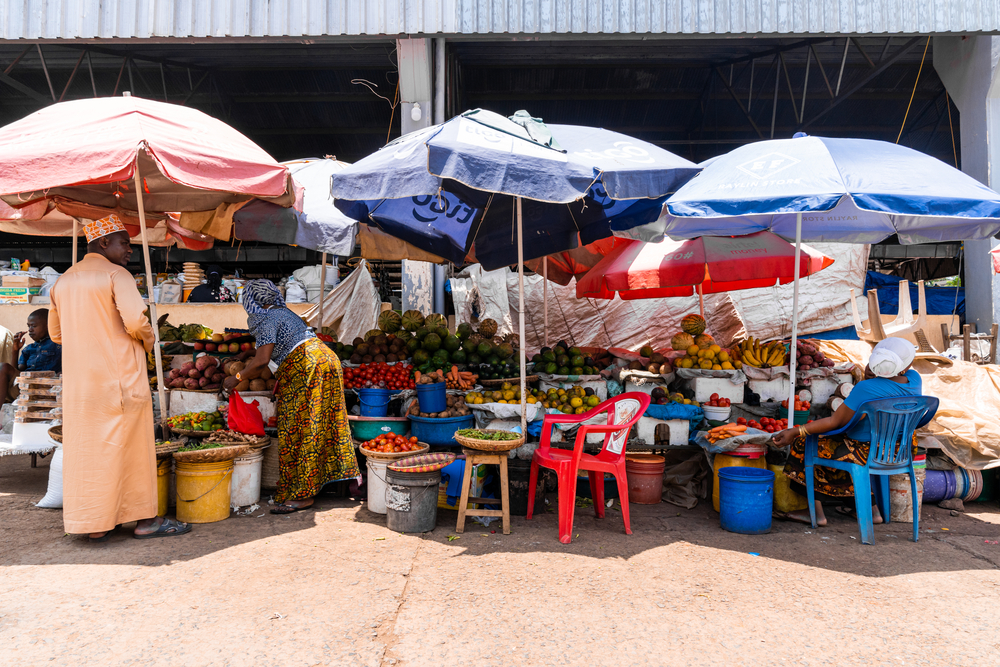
(484, 349)
(451, 343)
(464, 330)
(681, 341)
(693, 324)
(412, 345)
(436, 321)
(412, 320)
(389, 321)
(421, 333)
(421, 357)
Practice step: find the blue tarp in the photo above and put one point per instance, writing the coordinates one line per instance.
(940, 300)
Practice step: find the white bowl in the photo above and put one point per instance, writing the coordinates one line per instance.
(716, 414)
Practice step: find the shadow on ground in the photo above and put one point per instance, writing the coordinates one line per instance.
(947, 543)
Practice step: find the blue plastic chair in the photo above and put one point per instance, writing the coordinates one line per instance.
(892, 422)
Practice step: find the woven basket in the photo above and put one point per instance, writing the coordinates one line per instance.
(190, 434)
(212, 455)
(387, 456)
(496, 383)
(423, 463)
(165, 449)
(56, 433)
(489, 445)
(260, 442)
(270, 471)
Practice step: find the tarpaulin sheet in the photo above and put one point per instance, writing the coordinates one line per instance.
(939, 300)
(966, 421)
(352, 307)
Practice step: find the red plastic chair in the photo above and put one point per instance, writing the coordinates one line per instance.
(623, 411)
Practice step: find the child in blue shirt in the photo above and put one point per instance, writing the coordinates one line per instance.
(41, 355)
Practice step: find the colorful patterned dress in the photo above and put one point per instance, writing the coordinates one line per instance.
(314, 435)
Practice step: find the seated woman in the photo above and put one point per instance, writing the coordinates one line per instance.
(888, 375)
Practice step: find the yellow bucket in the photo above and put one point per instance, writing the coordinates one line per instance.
(203, 491)
(727, 461)
(162, 486)
(785, 500)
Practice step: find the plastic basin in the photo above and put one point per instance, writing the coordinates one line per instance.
(374, 402)
(367, 428)
(432, 397)
(439, 432)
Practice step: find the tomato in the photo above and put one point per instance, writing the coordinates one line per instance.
(741, 421)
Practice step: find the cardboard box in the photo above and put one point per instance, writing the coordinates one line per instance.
(22, 281)
(18, 294)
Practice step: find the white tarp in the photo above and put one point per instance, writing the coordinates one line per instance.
(352, 307)
(824, 297)
(824, 304)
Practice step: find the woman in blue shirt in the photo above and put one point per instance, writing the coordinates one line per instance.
(888, 375)
(314, 436)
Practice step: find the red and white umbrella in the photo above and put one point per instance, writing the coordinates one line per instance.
(117, 154)
(705, 265)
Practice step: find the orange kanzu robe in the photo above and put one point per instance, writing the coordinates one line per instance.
(109, 455)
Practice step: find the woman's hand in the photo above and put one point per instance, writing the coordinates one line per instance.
(230, 383)
(786, 437)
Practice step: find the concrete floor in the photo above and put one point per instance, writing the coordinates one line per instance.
(333, 586)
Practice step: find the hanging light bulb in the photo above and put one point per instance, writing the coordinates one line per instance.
(415, 112)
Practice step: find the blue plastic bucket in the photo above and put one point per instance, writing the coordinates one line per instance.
(439, 432)
(746, 498)
(432, 397)
(374, 402)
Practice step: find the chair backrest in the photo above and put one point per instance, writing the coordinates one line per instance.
(623, 410)
(892, 422)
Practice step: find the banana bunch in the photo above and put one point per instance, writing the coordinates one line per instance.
(753, 353)
(165, 360)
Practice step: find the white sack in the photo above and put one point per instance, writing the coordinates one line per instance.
(352, 307)
(54, 495)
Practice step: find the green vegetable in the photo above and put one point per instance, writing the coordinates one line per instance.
(476, 434)
(201, 445)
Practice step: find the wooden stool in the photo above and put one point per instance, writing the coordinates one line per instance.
(473, 457)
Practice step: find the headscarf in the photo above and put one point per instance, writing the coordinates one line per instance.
(260, 293)
(891, 357)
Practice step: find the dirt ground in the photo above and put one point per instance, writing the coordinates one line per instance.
(333, 586)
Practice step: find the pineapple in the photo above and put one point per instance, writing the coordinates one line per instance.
(488, 328)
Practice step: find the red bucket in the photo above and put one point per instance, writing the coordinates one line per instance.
(645, 478)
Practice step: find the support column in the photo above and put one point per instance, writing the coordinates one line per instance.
(415, 79)
(967, 66)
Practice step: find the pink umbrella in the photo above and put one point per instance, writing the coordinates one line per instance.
(116, 153)
(706, 265)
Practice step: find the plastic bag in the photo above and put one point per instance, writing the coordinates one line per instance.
(295, 292)
(244, 417)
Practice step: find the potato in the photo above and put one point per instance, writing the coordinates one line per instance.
(266, 374)
(258, 385)
(243, 386)
(270, 383)
(178, 383)
(191, 383)
(235, 367)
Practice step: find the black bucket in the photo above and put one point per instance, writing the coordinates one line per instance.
(519, 478)
(411, 501)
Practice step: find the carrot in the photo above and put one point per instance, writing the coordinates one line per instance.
(736, 427)
(416, 376)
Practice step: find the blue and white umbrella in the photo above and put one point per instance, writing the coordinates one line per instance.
(821, 189)
(534, 189)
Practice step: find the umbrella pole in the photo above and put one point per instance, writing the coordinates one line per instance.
(701, 300)
(795, 322)
(545, 300)
(152, 302)
(76, 240)
(322, 288)
(520, 319)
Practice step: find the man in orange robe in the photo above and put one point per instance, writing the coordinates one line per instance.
(109, 455)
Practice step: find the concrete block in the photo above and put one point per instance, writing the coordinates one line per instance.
(705, 387)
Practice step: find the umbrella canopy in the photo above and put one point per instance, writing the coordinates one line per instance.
(561, 268)
(452, 186)
(710, 264)
(88, 151)
(135, 154)
(852, 190)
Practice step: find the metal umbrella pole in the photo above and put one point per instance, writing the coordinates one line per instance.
(76, 240)
(545, 300)
(520, 319)
(160, 387)
(795, 321)
(322, 288)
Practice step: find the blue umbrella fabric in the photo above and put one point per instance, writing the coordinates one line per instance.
(848, 191)
(574, 181)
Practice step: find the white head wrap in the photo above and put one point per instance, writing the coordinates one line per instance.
(891, 357)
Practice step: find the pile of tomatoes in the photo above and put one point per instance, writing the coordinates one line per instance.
(715, 402)
(389, 443)
(765, 424)
(379, 376)
(800, 406)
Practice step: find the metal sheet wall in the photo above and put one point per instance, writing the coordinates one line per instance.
(68, 19)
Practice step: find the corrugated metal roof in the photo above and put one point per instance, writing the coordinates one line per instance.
(90, 19)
